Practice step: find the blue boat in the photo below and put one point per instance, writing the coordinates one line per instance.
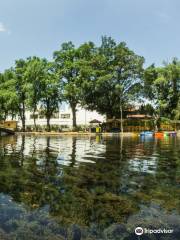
(147, 134)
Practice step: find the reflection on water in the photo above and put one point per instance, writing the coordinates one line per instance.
(88, 187)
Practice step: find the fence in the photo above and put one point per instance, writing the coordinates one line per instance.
(139, 125)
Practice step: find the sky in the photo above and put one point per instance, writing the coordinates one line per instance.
(39, 27)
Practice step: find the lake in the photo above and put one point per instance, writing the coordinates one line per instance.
(88, 188)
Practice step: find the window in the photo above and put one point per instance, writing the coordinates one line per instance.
(65, 116)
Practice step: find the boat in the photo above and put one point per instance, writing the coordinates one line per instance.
(172, 133)
(159, 134)
(165, 134)
(147, 134)
(6, 131)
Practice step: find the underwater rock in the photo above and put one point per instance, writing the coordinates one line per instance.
(154, 217)
(115, 232)
(3, 235)
(74, 233)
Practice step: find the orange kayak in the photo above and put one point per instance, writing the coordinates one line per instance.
(159, 134)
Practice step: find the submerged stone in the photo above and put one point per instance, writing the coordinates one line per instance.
(115, 232)
(74, 233)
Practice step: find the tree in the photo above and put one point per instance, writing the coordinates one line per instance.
(177, 111)
(21, 89)
(162, 88)
(66, 62)
(50, 92)
(147, 109)
(115, 79)
(172, 73)
(35, 73)
(71, 65)
(8, 97)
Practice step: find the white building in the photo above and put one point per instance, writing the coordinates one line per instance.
(64, 117)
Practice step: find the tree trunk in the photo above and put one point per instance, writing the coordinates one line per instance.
(48, 115)
(121, 119)
(73, 107)
(23, 118)
(13, 115)
(48, 124)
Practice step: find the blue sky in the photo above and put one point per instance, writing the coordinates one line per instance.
(38, 27)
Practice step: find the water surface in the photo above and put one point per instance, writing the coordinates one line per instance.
(88, 187)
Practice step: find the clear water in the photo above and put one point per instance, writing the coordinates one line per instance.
(88, 187)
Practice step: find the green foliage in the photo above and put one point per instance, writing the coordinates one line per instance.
(31, 84)
(106, 78)
(115, 78)
(34, 75)
(50, 92)
(8, 97)
(71, 65)
(162, 87)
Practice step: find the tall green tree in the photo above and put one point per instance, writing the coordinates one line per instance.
(66, 62)
(8, 97)
(172, 73)
(71, 64)
(51, 92)
(35, 74)
(21, 89)
(162, 88)
(115, 79)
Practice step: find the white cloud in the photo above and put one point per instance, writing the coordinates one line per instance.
(2, 27)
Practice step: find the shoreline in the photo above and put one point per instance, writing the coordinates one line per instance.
(104, 134)
(125, 134)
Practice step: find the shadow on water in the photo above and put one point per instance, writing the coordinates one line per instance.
(88, 187)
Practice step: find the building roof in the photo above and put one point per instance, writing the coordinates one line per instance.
(138, 116)
(95, 121)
